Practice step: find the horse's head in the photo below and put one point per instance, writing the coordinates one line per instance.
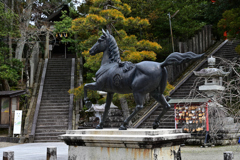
(101, 45)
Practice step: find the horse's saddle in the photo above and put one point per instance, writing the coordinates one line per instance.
(125, 66)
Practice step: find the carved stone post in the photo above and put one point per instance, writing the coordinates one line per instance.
(194, 44)
(51, 153)
(8, 155)
(228, 155)
(209, 35)
(200, 42)
(203, 39)
(185, 47)
(190, 45)
(206, 37)
(197, 44)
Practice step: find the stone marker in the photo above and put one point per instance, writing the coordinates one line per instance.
(51, 153)
(227, 155)
(8, 155)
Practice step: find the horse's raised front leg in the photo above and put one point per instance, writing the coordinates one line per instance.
(105, 114)
(91, 86)
(160, 99)
(139, 100)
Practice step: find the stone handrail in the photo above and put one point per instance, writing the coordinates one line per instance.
(71, 95)
(31, 136)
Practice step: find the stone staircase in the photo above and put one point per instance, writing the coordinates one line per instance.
(183, 89)
(167, 121)
(54, 107)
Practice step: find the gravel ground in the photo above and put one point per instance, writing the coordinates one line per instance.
(209, 153)
(7, 144)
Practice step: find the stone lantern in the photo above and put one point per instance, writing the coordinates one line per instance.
(213, 78)
(213, 84)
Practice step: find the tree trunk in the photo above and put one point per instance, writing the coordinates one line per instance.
(24, 19)
(125, 109)
(20, 46)
(5, 86)
(10, 37)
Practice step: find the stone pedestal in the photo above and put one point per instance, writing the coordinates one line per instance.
(131, 144)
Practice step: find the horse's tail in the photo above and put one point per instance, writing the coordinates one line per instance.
(178, 58)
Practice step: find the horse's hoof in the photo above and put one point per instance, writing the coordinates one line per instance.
(99, 126)
(122, 127)
(155, 125)
(88, 104)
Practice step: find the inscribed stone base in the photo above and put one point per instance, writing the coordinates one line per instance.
(107, 153)
(131, 144)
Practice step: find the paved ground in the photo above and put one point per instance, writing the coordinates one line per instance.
(210, 153)
(34, 151)
(37, 151)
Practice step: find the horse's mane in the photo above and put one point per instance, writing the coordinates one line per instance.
(114, 55)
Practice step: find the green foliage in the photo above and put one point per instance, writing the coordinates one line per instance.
(237, 49)
(231, 23)
(79, 93)
(63, 28)
(113, 16)
(8, 72)
(9, 68)
(6, 19)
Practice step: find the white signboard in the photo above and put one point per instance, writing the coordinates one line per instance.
(50, 47)
(17, 122)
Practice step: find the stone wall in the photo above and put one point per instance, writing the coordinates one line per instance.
(197, 44)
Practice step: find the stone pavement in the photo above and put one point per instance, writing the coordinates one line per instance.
(35, 151)
(210, 153)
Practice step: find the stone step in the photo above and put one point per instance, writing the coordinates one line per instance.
(55, 81)
(60, 97)
(51, 128)
(161, 126)
(59, 70)
(50, 110)
(49, 134)
(51, 123)
(54, 107)
(55, 95)
(47, 115)
(52, 114)
(57, 85)
(50, 117)
(52, 76)
(54, 104)
(47, 90)
(170, 124)
(45, 138)
(57, 78)
(58, 73)
(44, 141)
(56, 67)
(56, 101)
(54, 120)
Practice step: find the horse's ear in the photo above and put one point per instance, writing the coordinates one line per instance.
(108, 32)
(104, 33)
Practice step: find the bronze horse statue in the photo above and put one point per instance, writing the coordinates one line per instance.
(145, 77)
